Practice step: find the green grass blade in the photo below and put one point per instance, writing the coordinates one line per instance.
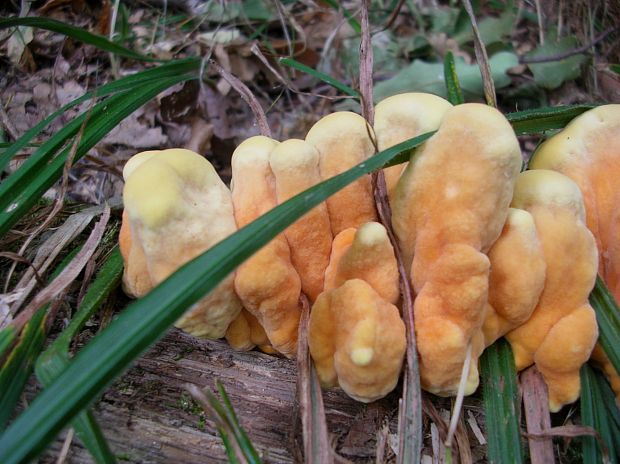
(86, 427)
(615, 68)
(608, 318)
(241, 436)
(18, 366)
(106, 281)
(599, 411)
(344, 88)
(7, 335)
(131, 82)
(143, 322)
(109, 114)
(542, 119)
(76, 33)
(453, 87)
(56, 358)
(501, 404)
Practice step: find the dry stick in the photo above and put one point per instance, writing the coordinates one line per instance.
(316, 441)
(410, 413)
(66, 445)
(536, 405)
(541, 28)
(482, 58)
(569, 53)
(573, 431)
(247, 96)
(458, 405)
(366, 61)
(68, 275)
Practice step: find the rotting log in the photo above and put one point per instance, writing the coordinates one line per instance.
(148, 417)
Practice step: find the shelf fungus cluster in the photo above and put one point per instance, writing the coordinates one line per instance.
(490, 252)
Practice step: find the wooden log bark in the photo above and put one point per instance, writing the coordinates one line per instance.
(148, 417)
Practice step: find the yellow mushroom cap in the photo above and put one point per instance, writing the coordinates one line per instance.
(367, 254)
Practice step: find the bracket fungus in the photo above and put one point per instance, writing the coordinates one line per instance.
(561, 333)
(343, 140)
(402, 117)
(267, 283)
(449, 208)
(176, 207)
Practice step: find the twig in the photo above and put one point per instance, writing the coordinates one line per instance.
(573, 431)
(366, 61)
(458, 405)
(247, 96)
(66, 445)
(20, 259)
(569, 53)
(482, 58)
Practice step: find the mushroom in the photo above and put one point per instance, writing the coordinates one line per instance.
(403, 117)
(561, 333)
(449, 207)
(517, 275)
(295, 165)
(267, 283)
(357, 340)
(176, 207)
(343, 140)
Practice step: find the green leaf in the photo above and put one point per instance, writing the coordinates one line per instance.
(501, 404)
(7, 335)
(608, 318)
(76, 33)
(492, 29)
(56, 358)
(552, 74)
(344, 88)
(146, 320)
(599, 411)
(543, 119)
(453, 87)
(615, 68)
(20, 191)
(422, 76)
(18, 366)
